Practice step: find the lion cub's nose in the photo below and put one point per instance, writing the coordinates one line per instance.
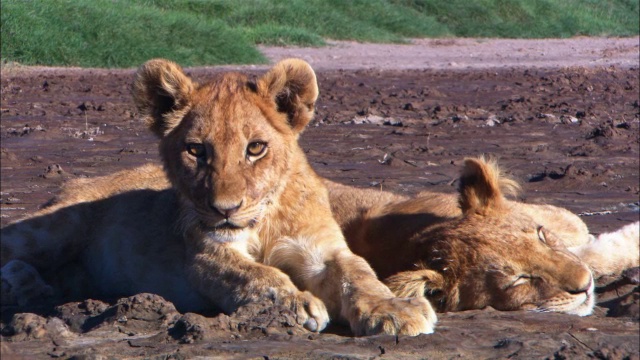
(226, 210)
(582, 284)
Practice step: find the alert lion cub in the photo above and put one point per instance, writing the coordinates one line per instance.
(245, 220)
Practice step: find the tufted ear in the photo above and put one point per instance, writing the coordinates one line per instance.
(480, 186)
(161, 92)
(292, 85)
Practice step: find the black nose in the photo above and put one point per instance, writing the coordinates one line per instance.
(227, 211)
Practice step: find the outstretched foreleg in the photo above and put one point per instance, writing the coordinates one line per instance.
(229, 279)
(348, 286)
(38, 245)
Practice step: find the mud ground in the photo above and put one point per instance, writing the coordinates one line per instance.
(569, 134)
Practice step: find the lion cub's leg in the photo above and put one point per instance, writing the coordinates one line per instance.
(611, 253)
(42, 242)
(230, 279)
(22, 284)
(349, 287)
(370, 307)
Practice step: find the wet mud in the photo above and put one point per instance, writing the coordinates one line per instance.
(570, 136)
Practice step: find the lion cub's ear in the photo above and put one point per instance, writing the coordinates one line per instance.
(480, 185)
(161, 90)
(292, 85)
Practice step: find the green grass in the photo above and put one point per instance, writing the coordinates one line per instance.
(125, 33)
(106, 33)
(271, 21)
(532, 18)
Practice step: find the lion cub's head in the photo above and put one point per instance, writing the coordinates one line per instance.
(228, 145)
(494, 254)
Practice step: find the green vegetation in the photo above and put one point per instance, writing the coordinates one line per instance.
(108, 33)
(125, 33)
(533, 18)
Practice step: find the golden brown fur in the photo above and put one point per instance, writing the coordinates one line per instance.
(469, 251)
(245, 218)
(484, 247)
(462, 251)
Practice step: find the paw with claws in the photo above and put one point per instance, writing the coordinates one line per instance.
(22, 284)
(395, 316)
(310, 311)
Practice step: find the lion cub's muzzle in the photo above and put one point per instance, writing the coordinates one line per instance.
(227, 211)
(230, 223)
(581, 298)
(586, 288)
(579, 281)
(232, 215)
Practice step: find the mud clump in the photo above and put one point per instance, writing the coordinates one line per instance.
(251, 321)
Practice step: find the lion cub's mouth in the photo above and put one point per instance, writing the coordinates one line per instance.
(578, 303)
(226, 230)
(225, 235)
(216, 223)
(227, 225)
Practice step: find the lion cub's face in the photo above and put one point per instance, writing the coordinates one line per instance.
(228, 145)
(494, 253)
(512, 262)
(226, 158)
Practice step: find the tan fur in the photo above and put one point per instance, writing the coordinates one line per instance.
(233, 227)
(427, 245)
(610, 253)
(476, 249)
(487, 256)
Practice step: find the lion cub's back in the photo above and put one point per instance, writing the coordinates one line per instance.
(148, 176)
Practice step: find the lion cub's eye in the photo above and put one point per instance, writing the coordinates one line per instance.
(256, 148)
(196, 150)
(521, 280)
(541, 235)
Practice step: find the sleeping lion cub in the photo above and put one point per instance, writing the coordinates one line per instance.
(477, 248)
(245, 219)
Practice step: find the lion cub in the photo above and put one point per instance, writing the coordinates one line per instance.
(246, 218)
(472, 249)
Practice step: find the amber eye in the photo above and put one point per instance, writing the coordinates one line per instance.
(196, 150)
(256, 148)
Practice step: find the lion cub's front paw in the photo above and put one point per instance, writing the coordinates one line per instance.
(401, 316)
(310, 311)
(22, 284)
